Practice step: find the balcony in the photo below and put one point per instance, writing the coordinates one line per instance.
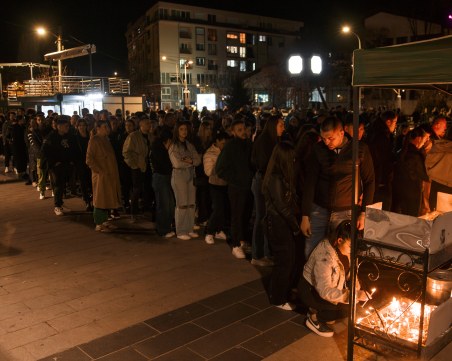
(69, 85)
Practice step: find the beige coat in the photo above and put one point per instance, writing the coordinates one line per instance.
(100, 157)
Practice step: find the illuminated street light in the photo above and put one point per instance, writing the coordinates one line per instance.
(42, 31)
(347, 30)
(186, 91)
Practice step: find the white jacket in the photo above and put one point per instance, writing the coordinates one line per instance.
(325, 272)
(209, 160)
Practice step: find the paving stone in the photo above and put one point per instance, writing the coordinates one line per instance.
(126, 354)
(259, 301)
(73, 354)
(237, 354)
(225, 316)
(269, 318)
(275, 339)
(167, 341)
(222, 340)
(228, 297)
(181, 354)
(118, 340)
(177, 317)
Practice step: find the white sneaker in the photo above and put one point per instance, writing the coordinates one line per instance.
(209, 239)
(6, 170)
(58, 211)
(16, 171)
(109, 225)
(193, 234)
(101, 228)
(53, 195)
(287, 306)
(196, 227)
(170, 234)
(184, 237)
(220, 235)
(237, 252)
(42, 195)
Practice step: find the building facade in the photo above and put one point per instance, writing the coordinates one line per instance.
(177, 51)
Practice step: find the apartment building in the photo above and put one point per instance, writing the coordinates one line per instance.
(177, 51)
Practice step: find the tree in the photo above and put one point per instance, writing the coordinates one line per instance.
(237, 95)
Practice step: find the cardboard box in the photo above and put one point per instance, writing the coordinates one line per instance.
(432, 232)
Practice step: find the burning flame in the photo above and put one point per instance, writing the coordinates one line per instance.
(400, 318)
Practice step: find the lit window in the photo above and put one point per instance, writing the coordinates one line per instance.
(262, 38)
(242, 52)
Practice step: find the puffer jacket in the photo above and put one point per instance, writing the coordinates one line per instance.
(325, 272)
(209, 160)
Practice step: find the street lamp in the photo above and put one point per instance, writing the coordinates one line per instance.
(42, 31)
(347, 30)
(186, 91)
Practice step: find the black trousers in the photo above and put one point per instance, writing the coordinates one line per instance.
(59, 174)
(220, 206)
(283, 247)
(326, 311)
(241, 203)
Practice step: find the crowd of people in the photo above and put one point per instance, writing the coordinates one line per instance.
(276, 187)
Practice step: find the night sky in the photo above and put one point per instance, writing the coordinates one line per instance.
(104, 24)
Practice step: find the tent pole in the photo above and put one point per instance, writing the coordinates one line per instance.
(354, 243)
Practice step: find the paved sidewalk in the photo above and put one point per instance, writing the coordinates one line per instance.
(70, 293)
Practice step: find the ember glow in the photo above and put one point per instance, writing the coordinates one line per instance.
(399, 319)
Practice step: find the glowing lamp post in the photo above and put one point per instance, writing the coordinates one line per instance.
(41, 31)
(186, 91)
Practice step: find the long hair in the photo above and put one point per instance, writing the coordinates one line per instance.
(270, 127)
(343, 230)
(281, 162)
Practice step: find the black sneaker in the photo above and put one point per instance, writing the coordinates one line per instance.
(318, 327)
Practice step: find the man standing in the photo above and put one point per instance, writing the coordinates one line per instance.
(327, 195)
(233, 165)
(439, 127)
(136, 150)
(381, 145)
(59, 154)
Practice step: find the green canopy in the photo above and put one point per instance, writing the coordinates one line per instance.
(421, 64)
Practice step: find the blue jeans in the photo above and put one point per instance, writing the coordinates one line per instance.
(320, 218)
(260, 242)
(164, 202)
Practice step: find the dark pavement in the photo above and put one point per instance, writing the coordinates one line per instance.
(70, 293)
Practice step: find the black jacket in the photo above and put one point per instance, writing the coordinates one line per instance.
(58, 148)
(280, 202)
(328, 181)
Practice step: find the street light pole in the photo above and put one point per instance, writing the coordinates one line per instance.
(60, 70)
(347, 30)
(186, 91)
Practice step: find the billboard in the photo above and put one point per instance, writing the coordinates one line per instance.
(206, 100)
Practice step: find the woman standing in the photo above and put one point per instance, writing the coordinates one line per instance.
(100, 157)
(261, 153)
(184, 159)
(282, 223)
